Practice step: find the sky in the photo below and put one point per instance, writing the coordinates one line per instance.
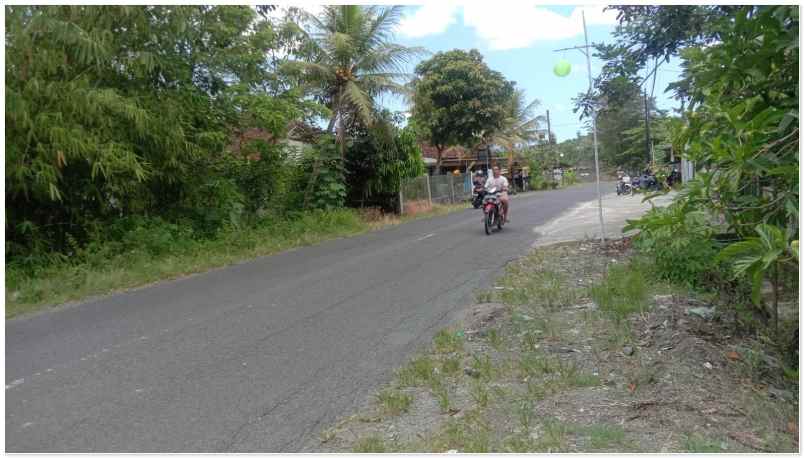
(518, 39)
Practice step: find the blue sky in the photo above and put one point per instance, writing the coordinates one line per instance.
(518, 39)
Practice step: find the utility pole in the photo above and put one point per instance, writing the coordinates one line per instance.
(585, 50)
(647, 128)
(594, 133)
(550, 136)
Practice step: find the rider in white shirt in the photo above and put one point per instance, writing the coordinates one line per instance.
(501, 183)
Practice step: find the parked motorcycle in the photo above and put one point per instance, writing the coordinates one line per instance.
(645, 183)
(624, 186)
(649, 183)
(492, 211)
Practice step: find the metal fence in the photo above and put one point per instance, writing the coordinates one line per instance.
(420, 193)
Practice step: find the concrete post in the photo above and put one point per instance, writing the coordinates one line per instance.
(429, 193)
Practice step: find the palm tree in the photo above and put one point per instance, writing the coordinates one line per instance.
(519, 127)
(355, 61)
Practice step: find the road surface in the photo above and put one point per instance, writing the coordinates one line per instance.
(259, 356)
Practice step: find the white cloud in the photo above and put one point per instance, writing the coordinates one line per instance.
(594, 15)
(521, 25)
(499, 26)
(430, 19)
(511, 26)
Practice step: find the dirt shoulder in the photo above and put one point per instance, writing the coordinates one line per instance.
(538, 366)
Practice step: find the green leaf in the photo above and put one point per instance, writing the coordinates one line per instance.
(787, 120)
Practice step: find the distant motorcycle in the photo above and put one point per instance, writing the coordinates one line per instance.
(649, 183)
(478, 193)
(624, 186)
(646, 183)
(492, 211)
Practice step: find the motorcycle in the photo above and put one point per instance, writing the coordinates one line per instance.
(648, 183)
(478, 193)
(624, 186)
(492, 211)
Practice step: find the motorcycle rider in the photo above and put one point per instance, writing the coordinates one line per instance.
(501, 183)
(479, 190)
(478, 179)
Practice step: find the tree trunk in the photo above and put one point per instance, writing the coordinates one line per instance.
(340, 138)
(511, 165)
(439, 150)
(332, 123)
(776, 298)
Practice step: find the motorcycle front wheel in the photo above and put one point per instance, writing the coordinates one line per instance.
(489, 222)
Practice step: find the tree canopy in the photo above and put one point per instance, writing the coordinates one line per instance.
(459, 100)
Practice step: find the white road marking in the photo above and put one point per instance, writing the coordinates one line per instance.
(425, 237)
(19, 381)
(25, 425)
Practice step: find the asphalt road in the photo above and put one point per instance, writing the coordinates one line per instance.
(259, 356)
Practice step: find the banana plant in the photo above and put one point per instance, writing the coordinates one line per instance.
(757, 257)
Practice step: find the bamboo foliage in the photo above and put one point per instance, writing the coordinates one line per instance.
(122, 109)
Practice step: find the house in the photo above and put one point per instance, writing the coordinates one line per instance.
(299, 136)
(468, 160)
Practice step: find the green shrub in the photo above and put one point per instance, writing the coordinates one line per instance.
(322, 176)
(678, 241)
(570, 178)
(537, 182)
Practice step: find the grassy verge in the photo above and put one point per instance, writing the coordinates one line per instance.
(587, 352)
(28, 291)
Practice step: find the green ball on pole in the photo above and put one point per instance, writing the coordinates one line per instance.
(562, 68)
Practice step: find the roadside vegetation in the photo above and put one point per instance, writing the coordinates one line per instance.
(580, 348)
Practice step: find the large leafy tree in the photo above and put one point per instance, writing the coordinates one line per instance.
(459, 100)
(352, 60)
(118, 110)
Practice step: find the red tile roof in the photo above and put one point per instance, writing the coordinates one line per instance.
(452, 152)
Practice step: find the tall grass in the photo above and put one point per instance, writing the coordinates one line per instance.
(623, 291)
